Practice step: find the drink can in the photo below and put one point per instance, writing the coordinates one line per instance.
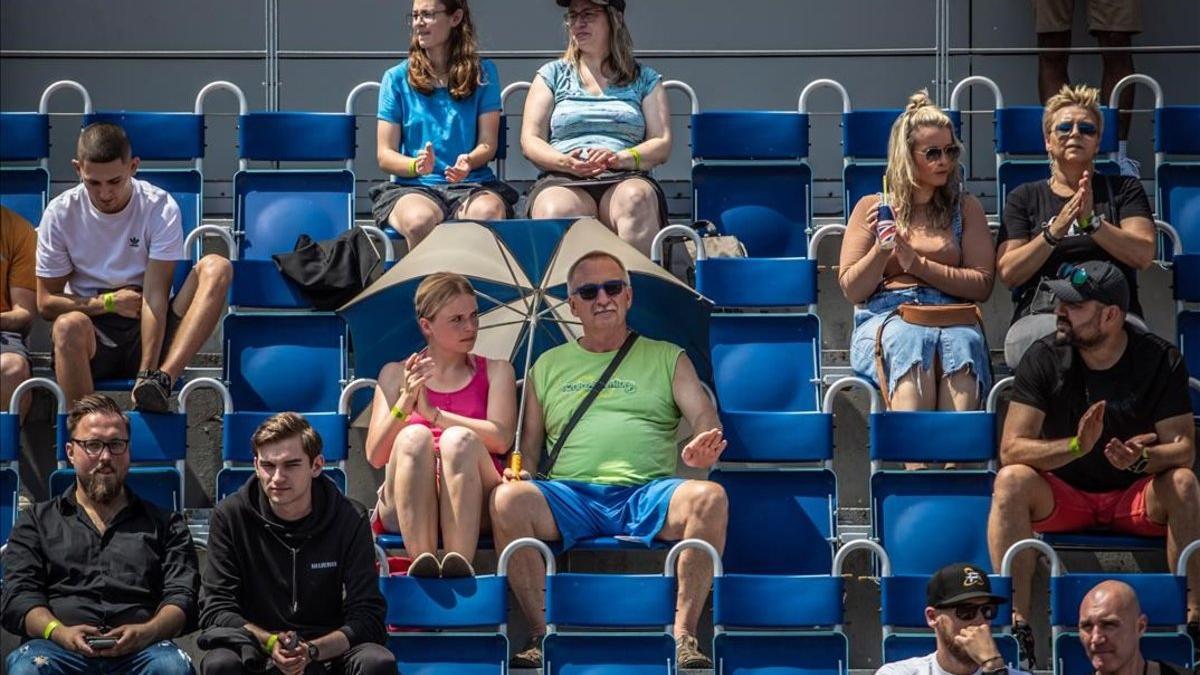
(885, 227)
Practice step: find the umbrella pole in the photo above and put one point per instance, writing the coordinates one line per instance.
(533, 324)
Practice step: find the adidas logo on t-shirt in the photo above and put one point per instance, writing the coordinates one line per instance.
(134, 241)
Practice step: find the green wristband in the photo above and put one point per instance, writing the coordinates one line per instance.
(1074, 447)
(413, 168)
(49, 629)
(110, 302)
(270, 644)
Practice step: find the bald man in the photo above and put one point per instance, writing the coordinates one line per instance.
(1111, 624)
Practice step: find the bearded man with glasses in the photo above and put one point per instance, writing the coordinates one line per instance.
(607, 408)
(96, 579)
(960, 608)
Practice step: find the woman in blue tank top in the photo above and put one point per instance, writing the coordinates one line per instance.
(439, 121)
(596, 121)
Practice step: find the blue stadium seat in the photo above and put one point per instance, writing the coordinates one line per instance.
(757, 634)
(1179, 180)
(10, 480)
(751, 178)
(1021, 148)
(276, 362)
(446, 626)
(25, 137)
(273, 207)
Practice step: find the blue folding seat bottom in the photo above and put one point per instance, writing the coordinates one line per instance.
(757, 282)
(781, 521)
(24, 189)
(430, 605)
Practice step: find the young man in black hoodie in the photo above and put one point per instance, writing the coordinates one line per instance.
(291, 568)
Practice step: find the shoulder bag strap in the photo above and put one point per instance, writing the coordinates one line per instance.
(544, 473)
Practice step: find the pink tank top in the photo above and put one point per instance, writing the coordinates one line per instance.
(470, 401)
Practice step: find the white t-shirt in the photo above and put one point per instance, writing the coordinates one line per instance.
(925, 665)
(101, 251)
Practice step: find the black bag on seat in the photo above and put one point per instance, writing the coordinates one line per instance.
(331, 272)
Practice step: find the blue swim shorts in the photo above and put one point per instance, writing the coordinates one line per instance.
(583, 510)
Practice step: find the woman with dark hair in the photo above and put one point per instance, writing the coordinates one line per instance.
(596, 121)
(439, 123)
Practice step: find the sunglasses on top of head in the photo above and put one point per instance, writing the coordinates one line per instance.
(1064, 129)
(611, 288)
(934, 154)
(1078, 276)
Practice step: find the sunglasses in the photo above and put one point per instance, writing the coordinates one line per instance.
(933, 155)
(1085, 128)
(968, 612)
(612, 287)
(1077, 276)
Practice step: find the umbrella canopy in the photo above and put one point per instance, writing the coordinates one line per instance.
(519, 271)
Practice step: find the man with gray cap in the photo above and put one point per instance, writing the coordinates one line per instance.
(960, 608)
(1099, 435)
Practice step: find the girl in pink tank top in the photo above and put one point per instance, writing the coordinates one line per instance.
(442, 422)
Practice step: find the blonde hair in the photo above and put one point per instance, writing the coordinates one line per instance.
(1080, 95)
(902, 169)
(285, 425)
(464, 73)
(620, 59)
(436, 290)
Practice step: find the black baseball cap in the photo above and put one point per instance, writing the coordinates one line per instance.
(618, 5)
(958, 583)
(1095, 280)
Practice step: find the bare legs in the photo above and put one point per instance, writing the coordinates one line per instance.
(415, 215)
(629, 208)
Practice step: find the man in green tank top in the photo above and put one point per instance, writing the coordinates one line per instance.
(614, 475)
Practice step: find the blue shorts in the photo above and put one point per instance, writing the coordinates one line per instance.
(907, 345)
(583, 510)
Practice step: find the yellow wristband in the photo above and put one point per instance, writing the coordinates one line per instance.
(413, 168)
(270, 644)
(399, 413)
(637, 159)
(49, 629)
(110, 302)
(1074, 447)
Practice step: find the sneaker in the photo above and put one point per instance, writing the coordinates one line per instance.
(425, 566)
(530, 656)
(1023, 632)
(454, 566)
(1129, 166)
(688, 654)
(152, 391)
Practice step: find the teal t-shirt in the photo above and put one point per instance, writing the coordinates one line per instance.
(612, 120)
(627, 436)
(452, 126)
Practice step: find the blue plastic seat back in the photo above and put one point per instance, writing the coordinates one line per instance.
(158, 485)
(158, 136)
(747, 352)
(230, 479)
(1187, 324)
(296, 136)
(901, 646)
(1162, 596)
(449, 653)
(1179, 196)
(750, 178)
(1175, 129)
(902, 600)
(10, 486)
(777, 654)
(1019, 130)
(24, 137)
(445, 603)
(781, 521)
(753, 601)
(10, 437)
(277, 362)
(610, 600)
(608, 654)
(905, 436)
(1175, 648)
(928, 519)
(758, 282)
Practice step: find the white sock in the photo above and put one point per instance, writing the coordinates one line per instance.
(1121, 148)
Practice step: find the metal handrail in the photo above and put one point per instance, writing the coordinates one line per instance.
(14, 407)
(802, 103)
(1184, 556)
(349, 390)
(699, 544)
(202, 231)
(993, 399)
(524, 542)
(1036, 544)
(389, 249)
(839, 558)
(851, 383)
(218, 85)
(44, 102)
(656, 246)
(966, 83)
(687, 91)
(832, 229)
(206, 383)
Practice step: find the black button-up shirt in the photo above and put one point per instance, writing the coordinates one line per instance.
(56, 558)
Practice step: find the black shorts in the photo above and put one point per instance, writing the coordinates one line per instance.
(449, 197)
(119, 344)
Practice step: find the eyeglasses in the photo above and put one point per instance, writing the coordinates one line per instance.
(1085, 128)
(94, 446)
(612, 288)
(934, 155)
(426, 15)
(587, 16)
(968, 612)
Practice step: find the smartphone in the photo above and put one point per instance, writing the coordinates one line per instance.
(99, 642)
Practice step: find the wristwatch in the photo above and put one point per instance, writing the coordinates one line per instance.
(1087, 225)
(314, 654)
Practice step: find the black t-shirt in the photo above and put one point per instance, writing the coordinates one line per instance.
(1149, 383)
(1032, 205)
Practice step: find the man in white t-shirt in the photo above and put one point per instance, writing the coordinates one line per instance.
(106, 256)
(960, 608)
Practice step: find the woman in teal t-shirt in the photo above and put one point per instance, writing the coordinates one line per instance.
(596, 121)
(439, 121)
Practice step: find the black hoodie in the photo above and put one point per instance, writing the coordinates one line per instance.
(314, 576)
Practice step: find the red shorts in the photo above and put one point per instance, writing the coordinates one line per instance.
(1119, 510)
